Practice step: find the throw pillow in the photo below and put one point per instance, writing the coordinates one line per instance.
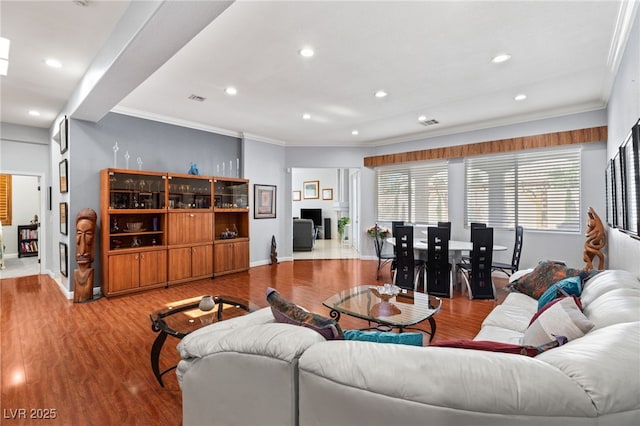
(576, 299)
(567, 287)
(485, 345)
(287, 312)
(563, 318)
(414, 339)
(546, 273)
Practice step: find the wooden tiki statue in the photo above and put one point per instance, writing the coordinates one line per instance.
(596, 240)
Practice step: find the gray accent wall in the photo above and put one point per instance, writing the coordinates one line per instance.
(161, 147)
(264, 163)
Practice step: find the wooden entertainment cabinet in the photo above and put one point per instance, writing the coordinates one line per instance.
(159, 229)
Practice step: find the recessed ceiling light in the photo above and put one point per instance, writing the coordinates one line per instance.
(355, 132)
(231, 90)
(520, 97)
(34, 113)
(381, 94)
(53, 63)
(427, 121)
(502, 57)
(306, 52)
(306, 116)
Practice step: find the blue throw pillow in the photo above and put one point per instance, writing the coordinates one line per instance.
(567, 287)
(414, 339)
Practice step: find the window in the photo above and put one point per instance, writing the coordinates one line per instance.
(415, 194)
(538, 190)
(5, 199)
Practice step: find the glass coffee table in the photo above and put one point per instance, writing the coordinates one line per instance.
(182, 317)
(401, 311)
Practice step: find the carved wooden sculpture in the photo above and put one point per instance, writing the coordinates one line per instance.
(85, 235)
(274, 253)
(596, 240)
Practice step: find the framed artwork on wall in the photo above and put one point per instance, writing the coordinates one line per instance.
(311, 189)
(327, 194)
(64, 171)
(64, 135)
(264, 201)
(610, 197)
(297, 195)
(631, 180)
(618, 182)
(63, 218)
(64, 259)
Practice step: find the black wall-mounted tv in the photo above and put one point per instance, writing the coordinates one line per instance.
(313, 214)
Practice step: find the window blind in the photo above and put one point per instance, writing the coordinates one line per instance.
(538, 190)
(5, 199)
(413, 194)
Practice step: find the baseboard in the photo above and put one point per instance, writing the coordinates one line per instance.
(268, 261)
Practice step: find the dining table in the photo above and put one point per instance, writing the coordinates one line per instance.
(456, 247)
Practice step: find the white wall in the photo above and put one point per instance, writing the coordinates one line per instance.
(328, 179)
(25, 204)
(622, 113)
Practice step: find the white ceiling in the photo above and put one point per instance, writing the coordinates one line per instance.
(432, 57)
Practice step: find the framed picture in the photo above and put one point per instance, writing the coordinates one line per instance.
(610, 196)
(264, 201)
(327, 194)
(64, 135)
(311, 189)
(64, 170)
(297, 195)
(618, 191)
(63, 218)
(631, 180)
(63, 259)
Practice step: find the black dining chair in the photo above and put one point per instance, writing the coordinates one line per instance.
(383, 258)
(439, 277)
(472, 226)
(510, 268)
(445, 225)
(407, 272)
(477, 273)
(394, 225)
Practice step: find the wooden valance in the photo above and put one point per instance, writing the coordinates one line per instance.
(593, 134)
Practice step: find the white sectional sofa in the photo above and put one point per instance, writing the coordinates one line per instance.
(253, 371)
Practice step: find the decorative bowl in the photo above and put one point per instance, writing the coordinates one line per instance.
(134, 226)
(385, 292)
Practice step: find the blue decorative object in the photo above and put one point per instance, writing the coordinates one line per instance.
(193, 170)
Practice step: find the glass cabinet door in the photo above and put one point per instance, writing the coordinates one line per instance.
(189, 193)
(136, 191)
(231, 194)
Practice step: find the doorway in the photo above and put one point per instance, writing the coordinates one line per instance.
(23, 238)
(332, 198)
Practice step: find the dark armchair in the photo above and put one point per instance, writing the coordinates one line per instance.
(304, 235)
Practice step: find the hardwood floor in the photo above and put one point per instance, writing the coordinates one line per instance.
(90, 362)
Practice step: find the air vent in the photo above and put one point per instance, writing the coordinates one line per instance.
(429, 122)
(196, 98)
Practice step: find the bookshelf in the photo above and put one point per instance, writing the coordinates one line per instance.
(28, 240)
